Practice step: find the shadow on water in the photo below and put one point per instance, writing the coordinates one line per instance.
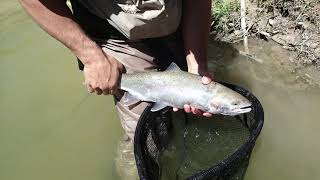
(223, 57)
(290, 97)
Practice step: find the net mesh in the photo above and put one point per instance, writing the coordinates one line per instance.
(184, 146)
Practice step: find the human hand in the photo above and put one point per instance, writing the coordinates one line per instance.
(206, 79)
(102, 75)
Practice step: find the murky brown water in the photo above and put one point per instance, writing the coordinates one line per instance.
(198, 144)
(287, 147)
(51, 129)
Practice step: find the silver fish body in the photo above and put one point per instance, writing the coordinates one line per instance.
(176, 88)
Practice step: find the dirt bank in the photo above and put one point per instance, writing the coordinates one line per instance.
(294, 24)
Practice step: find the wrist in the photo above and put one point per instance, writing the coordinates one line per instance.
(198, 70)
(196, 66)
(88, 51)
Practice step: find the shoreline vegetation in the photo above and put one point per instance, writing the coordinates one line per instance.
(294, 24)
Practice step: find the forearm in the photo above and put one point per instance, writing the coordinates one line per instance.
(196, 27)
(56, 19)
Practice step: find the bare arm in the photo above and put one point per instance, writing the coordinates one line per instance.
(196, 27)
(55, 18)
(101, 71)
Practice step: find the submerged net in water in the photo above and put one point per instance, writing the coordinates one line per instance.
(172, 146)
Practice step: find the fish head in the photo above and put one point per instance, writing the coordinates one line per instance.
(229, 102)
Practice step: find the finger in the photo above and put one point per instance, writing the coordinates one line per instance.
(114, 75)
(206, 80)
(106, 92)
(111, 92)
(121, 67)
(187, 108)
(193, 110)
(89, 88)
(107, 73)
(206, 114)
(175, 109)
(196, 111)
(98, 91)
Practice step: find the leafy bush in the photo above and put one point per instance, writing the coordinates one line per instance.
(226, 15)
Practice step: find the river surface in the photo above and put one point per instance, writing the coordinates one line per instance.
(50, 128)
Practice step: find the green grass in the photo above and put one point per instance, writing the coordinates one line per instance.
(225, 15)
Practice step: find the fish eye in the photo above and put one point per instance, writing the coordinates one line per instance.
(236, 103)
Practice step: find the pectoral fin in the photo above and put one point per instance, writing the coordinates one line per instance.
(157, 107)
(129, 99)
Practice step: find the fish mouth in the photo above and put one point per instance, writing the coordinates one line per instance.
(240, 110)
(244, 109)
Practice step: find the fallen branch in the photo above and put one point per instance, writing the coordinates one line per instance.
(243, 25)
(250, 57)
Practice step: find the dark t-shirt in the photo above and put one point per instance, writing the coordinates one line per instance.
(94, 26)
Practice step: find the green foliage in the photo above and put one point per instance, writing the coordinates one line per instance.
(225, 14)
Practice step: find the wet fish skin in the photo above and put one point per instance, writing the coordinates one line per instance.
(176, 88)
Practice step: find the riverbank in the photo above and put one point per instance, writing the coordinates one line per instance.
(295, 25)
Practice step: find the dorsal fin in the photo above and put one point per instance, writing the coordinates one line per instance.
(173, 67)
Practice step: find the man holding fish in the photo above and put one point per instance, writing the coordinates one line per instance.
(111, 37)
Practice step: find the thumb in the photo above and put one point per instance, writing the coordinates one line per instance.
(206, 78)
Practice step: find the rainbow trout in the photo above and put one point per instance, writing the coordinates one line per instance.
(176, 88)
